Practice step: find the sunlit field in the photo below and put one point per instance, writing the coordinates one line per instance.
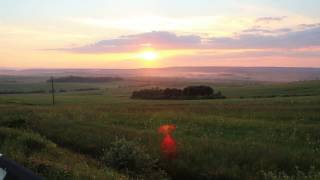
(261, 131)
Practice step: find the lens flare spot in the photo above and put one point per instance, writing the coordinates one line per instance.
(168, 143)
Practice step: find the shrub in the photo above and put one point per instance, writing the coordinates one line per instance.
(131, 158)
(14, 121)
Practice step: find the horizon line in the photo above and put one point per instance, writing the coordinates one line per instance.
(164, 67)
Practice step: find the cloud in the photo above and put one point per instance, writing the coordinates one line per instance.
(270, 19)
(256, 30)
(309, 25)
(154, 39)
(296, 39)
(273, 53)
(252, 56)
(284, 38)
(266, 31)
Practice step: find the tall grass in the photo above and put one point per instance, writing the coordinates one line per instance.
(229, 139)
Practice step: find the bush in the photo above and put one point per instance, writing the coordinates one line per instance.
(131, 158)
(14, 121)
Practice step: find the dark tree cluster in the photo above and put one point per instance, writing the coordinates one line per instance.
(190, 92)
(78, 79)
(23, 92)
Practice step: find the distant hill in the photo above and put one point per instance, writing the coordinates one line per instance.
(270, 74)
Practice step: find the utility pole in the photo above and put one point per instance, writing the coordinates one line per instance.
(52, 91)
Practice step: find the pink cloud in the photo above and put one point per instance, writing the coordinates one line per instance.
(248, 39)
(154, 39)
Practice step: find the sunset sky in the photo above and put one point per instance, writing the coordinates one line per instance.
(159, 33)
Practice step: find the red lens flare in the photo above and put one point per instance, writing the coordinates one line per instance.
(168, 144)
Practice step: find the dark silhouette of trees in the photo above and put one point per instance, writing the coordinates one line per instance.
(154, 93)
(198, 91)
(172, 93)
(190, 92)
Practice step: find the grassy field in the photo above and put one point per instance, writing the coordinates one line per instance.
(261, 131)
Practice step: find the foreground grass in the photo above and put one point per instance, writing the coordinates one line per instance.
(47, 159)
(224, 139)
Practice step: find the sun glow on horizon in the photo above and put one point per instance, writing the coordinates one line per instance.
(149, 55)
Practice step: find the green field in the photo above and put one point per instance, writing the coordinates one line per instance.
(261, 131)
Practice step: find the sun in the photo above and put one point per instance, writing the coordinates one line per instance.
(149, 55)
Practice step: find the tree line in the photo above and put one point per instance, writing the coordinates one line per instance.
(79, 79)
(190, 92)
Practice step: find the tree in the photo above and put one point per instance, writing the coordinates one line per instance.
(172, 93)
(194, 91)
